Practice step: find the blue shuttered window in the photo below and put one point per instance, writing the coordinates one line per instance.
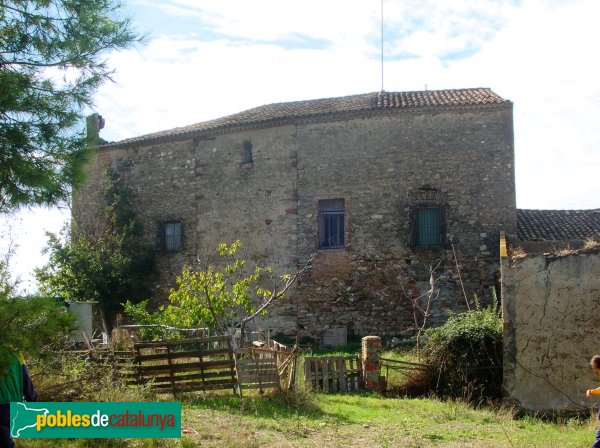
(429, 226)
(331, 224)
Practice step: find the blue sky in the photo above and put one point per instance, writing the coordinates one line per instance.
(204, 59)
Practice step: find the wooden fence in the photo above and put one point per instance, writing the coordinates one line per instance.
(210, 363)
(187, 364)
(334, 373)
(407, 377)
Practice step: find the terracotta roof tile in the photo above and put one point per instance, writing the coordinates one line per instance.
(280, 113)
(557, 225)
(437, 98)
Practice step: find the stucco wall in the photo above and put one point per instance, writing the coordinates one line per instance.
(375, 163)
(551, 309)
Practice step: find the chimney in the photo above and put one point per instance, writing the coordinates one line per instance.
(94, 123)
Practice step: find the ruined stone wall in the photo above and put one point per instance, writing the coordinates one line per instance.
(379, 165)
(551, 308)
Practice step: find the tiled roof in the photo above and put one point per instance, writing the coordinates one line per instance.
(557, 225)
(282, 113)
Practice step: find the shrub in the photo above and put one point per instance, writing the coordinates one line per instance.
(68, 377)
(468, 352)
(34, 326)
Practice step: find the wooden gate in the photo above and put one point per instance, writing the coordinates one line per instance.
(267, 367)
(333, 373)
(406, 377)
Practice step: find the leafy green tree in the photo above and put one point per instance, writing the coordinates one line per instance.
(109, 263)
(8, 284)
(220, 296)
(32, 326)
(50, 67)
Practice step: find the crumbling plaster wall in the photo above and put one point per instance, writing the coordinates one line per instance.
(551, 330)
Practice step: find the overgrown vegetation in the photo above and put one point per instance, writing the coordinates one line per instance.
(70, 377)
(32, 326)
(104, 259)
(351, 420)
(468, 351)
(219, 296)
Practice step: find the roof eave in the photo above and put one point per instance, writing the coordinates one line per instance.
(207, 134)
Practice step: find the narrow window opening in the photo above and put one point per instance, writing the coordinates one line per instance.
(428, 218)
(331, 224)
(247, 153)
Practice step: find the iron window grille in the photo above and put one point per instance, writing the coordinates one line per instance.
(171, 236)
(428, 218)
(331, 224)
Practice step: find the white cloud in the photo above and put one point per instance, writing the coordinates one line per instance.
(212, 58)
(275, 19)
(442, 29)
(537, 54)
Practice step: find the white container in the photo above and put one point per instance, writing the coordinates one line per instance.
(84, 313)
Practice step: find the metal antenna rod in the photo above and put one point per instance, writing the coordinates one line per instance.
(382, 45)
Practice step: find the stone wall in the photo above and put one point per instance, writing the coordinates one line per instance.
(379, 165)
(551, 305)
(376, 165)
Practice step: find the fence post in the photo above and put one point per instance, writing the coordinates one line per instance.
(371, 350)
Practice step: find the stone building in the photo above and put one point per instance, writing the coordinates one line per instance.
(383, 186)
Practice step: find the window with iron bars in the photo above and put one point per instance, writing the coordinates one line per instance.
(331, 224)
(171, 236)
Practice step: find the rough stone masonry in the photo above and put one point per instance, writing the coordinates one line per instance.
(384, 187)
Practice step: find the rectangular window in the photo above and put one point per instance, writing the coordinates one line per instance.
(171, 235)
(429, 226)
(331, 224)
(247, 153)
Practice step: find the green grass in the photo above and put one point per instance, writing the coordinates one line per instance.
(363, 420)
(351, 420)
(303, 419)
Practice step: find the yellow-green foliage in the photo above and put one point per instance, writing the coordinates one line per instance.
(214, 296)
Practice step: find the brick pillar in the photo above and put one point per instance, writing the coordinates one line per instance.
(371, 349)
